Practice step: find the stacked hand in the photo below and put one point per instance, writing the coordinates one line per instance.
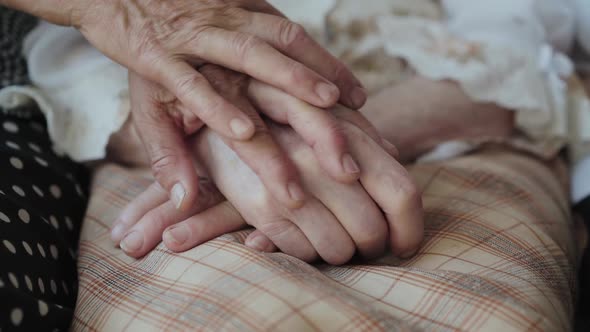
(337, 220)
(164, 42)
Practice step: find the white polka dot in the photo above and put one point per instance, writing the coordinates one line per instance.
(4, 217)
(1, 283)
(41, 285)
(16, 316)
(45, 220)
(13, 280)
(43, 308)
(16, 162)
(1, 192)
(79, 190)
(18, 190)
(54, 252)
(28, 248)
(38, 191)
(10, 127)
(35, 147)
(29, 283)
(54, 222)
(41, 250)
(55, 190)
(24, 216)
(72, 253)
(69, 223)
(12, 145)
(53, 286)
(65, 287)
(9, 246)
(41, 162)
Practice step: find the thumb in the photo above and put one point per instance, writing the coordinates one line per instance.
(170, 159)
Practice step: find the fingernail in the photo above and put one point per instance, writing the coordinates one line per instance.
(240, 127)
(177, 194)
(132, 242)
(358, 96)
(177, 235)
(117, 232)
(349, 165)
(295, 192)
(258, 242)
(391, 149)
(326, 92)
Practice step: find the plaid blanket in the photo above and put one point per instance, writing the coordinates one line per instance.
(499, 255)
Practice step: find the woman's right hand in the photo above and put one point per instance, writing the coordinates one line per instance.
(164, 42)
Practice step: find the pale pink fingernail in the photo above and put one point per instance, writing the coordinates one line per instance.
(240, 127)
(177, 194)
(295, 191)
(349, 165)
(177, 235)
(327, 92)
(132, 242)
(117, 232)
(358, 96)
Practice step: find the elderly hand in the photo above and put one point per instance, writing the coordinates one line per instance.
(335, 222)
(164, 41)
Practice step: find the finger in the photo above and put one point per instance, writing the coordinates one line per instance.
(360, 121)
(147, 232)
(266, 158)
(318, 128)
(171, 162)
(392, 188)
(292, 40)
(250, 55)
(289, 239)
(201, 102)
(363, 220)
(331, 241)
(258, 241)
(202, 227)
(148, 200)
(390, 148)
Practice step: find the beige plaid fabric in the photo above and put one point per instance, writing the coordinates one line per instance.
(499, 255)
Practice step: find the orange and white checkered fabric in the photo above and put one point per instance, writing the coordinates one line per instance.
(499, 255)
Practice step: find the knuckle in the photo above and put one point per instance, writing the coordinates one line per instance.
(278, 229)
(211, 108)
(407, 193)
(290, 34)
(335, 134)
(162, 160)
(244, 44)
(188, 83)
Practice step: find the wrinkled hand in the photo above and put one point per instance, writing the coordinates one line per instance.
(155, 110)
(164, 41)
(335, 222)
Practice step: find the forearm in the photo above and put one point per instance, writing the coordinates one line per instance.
(55, 11)
(419, 114)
